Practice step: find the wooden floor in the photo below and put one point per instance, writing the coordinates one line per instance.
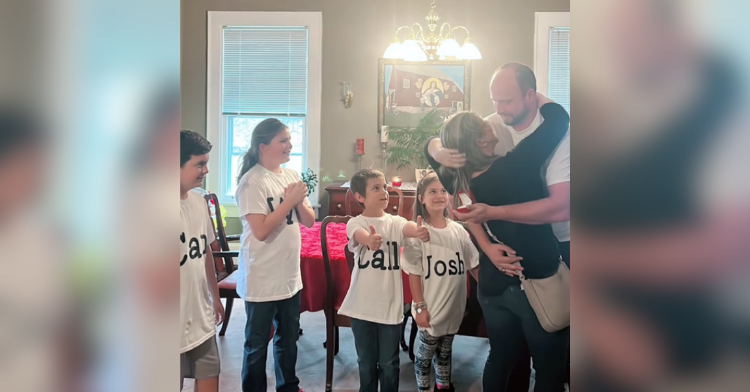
(468, 359)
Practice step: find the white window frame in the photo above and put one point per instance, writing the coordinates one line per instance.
(216, 179)
(544, 22)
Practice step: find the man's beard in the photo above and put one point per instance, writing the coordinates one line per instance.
(517, 120)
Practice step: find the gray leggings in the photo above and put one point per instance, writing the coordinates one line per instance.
(435, 350)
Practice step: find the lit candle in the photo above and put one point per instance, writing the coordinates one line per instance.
(360, 146)
(396, 181)
(384, 134)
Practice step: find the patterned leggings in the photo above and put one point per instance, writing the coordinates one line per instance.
(435, 350)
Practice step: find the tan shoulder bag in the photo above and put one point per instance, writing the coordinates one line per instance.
(549, 297)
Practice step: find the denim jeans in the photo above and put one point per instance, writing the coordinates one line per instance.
(377, 355)
(284, 315)
(512, 326)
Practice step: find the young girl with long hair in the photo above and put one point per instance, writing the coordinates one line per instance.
(272, 202)
(437, 278)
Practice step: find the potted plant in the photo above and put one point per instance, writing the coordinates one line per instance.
(406, 145)
(310, 179)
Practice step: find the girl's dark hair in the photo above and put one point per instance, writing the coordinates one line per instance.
(262, 134)
(419, 207)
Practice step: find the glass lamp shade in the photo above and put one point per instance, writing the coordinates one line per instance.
(394, 51)
(469, 52)
(413, 51)
(449, 48)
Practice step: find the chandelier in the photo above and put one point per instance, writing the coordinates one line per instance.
(421, 47)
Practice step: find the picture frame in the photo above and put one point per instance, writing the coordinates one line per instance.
(401, 108)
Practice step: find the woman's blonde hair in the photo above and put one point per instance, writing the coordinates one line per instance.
(461, 132)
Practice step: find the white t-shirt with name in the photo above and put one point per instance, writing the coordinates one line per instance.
(443, 263)
(558, 170)
(376, 291)
(268, 270)
(196, 307)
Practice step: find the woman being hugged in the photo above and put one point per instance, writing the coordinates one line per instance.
(531, 249)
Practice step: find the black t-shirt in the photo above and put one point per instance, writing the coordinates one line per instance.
(519, 177)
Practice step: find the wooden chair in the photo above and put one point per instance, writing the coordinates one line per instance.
(224, 262)
(333, 319)
(225, 271)
(396, 210)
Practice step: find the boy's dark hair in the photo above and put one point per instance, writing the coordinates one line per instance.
(19, 130)
(192, 143)
(358, 183)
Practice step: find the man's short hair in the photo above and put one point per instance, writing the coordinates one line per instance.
(524, 76)
(192, 143)
(358, 183)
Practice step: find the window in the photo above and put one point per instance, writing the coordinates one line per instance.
(261, 65)
(552, 56)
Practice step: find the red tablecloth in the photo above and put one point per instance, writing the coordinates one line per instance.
(313, 269)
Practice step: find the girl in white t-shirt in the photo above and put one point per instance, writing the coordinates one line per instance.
(437, 277)
(272, 202)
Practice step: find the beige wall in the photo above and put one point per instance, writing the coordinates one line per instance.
(355, 35)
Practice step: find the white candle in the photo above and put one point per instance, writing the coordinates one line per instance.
(384, 134)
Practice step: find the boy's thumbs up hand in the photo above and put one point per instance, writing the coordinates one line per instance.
(375, 239)
(422, 232)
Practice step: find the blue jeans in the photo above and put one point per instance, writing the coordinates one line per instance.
(513, 328)
(377, 355)
(284, 315)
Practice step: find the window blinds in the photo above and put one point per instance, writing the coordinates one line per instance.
(264, 70)
(559, 66)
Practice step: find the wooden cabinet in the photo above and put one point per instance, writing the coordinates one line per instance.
(337, 203)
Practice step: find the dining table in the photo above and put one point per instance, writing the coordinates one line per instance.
(313, 271)
(314, 277)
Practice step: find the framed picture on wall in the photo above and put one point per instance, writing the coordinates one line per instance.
(432, 81)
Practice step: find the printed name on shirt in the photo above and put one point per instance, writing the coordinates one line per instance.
(441, 268)
(378, 257)
(289, 220)
(194, 248)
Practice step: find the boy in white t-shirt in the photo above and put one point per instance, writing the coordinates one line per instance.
(200, 307)
(375, 301)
